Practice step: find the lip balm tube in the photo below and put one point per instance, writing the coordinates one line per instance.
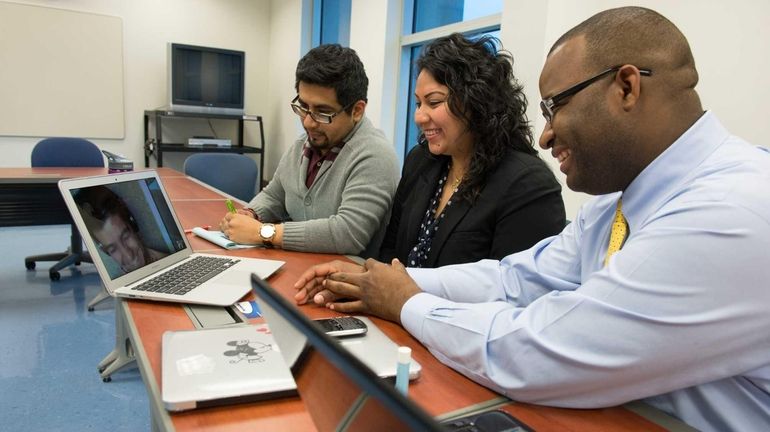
(402, 369)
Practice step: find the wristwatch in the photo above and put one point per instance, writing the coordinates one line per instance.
(267, 234)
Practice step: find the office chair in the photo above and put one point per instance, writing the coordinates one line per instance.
(65, 152)
(233, 174)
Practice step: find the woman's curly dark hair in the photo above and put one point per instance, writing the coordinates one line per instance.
(485, 95)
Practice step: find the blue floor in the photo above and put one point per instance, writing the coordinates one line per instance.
(50, 345)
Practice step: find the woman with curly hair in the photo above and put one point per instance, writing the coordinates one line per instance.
(473, 187)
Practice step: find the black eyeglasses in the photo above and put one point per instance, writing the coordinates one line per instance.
(324, 118)
(548, 106)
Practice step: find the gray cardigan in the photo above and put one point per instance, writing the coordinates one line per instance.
(347, 205)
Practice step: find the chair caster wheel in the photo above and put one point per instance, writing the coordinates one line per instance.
(91, 309)
(106, 379)
(30, 265)
(55, 276)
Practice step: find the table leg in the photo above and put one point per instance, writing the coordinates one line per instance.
(123, 354)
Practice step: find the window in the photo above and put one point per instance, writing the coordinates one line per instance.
(331, 22)
(424, 21)
(430, 14)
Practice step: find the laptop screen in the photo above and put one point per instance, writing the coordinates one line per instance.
(339, 391)
(130, 222)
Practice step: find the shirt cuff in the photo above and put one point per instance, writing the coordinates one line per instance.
(426, 279)
(415, 310)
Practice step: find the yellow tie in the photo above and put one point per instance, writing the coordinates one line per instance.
(618, 233)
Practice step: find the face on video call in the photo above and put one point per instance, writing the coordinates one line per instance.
(122, 243)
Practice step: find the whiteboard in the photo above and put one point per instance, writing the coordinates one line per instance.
(61, 73)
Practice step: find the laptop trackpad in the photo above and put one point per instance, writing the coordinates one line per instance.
(233, 277)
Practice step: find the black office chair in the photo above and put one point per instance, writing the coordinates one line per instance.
(65, 152)
(233, 174)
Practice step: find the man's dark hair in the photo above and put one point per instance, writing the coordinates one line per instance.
(336, 67)
(485, 95)
(99, 203)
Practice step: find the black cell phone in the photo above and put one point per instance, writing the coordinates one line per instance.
(342, 326)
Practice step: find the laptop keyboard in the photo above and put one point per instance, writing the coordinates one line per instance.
(182, 279)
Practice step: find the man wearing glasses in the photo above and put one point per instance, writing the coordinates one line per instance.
(662, 298)
(333, 188)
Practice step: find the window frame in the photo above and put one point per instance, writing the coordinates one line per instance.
(316, 29)
(408, 41)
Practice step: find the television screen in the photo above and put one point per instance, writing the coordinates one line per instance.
(208, 80)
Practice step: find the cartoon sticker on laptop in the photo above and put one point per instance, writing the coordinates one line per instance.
(247, 350)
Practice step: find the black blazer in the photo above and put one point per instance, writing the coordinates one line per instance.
(519, 205)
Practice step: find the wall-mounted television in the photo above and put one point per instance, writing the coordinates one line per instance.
(205, 80)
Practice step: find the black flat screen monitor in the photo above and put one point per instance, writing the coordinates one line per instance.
(206, 80)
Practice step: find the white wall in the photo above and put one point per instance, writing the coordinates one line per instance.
(376, 40)
(286, 18)
(148, 26)
(730, 42)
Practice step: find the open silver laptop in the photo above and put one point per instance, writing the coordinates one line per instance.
(243, 363)
(342, 393)
(139, 247)
(377, 351)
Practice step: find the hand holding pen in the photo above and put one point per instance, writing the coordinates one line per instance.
(234, 224)
(244, 211)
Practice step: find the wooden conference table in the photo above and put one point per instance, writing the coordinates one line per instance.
(440, 391)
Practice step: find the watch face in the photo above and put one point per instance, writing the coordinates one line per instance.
(267, 231)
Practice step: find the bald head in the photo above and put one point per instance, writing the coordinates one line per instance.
(638, 36)
(605, 133)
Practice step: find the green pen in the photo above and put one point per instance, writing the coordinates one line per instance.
(230, 206)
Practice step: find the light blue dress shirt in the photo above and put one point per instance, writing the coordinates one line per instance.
(680, 317)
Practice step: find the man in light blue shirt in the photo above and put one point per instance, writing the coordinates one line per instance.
(678, 317)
